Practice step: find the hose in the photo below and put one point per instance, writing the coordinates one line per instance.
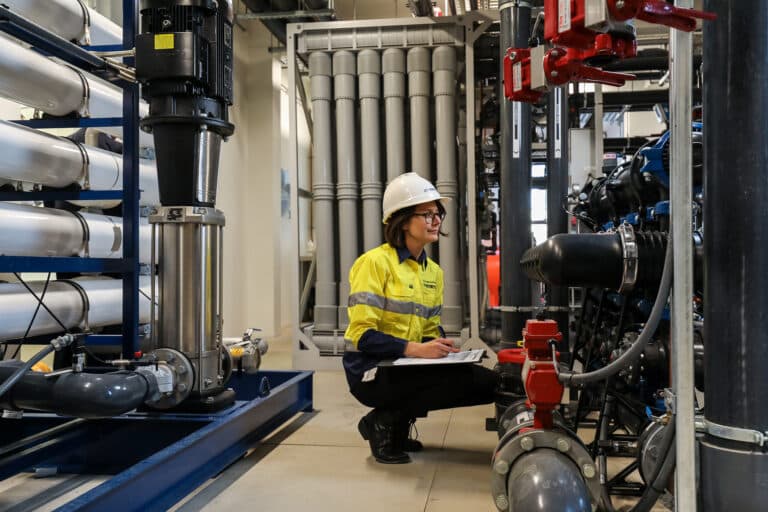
(55, 344)
(628, 357)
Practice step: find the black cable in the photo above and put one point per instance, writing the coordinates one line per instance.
(37, 310)
(148, 297)
(40, 301)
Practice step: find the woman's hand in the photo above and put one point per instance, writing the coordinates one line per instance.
(434, 349)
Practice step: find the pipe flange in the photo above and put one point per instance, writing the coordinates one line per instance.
(183, 378)
(513, 445)
(629, 252)
(187, 215)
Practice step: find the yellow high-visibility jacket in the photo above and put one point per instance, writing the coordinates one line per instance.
(393, 299)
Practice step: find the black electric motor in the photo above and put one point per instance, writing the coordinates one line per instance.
(184, 62)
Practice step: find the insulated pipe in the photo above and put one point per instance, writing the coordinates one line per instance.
(326, 309)
(444, 69)
(32, 156)
(369, 70)
(33, 80)
(344, 93)
(515, 193)
(557, 190)
(93, 302)
(419, 68)
(69, 19)
(32, 231)
(734, 474)
(82, 395)
(393, 64)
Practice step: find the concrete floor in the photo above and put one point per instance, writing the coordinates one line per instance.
(318, 461)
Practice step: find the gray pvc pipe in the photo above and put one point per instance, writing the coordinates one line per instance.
(444, 69)
(393, 64)
(369, 75)
(544, 481)
(344, 70)
(326, 309)
(419, 69)
(82, 395)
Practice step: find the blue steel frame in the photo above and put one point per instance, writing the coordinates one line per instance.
(156, 459)
(51, 44)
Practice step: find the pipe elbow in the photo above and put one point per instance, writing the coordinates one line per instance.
(545, 480)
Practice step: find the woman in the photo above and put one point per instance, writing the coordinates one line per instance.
(396, 296)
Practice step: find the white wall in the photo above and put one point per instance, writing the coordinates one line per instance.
(249, 191)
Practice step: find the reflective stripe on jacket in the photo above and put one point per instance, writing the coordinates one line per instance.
(401, 299)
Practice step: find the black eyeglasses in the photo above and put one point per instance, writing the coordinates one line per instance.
(429, 217)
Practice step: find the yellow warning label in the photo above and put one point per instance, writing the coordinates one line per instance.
(163, 41)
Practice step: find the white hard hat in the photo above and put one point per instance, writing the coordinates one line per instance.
(406, 190)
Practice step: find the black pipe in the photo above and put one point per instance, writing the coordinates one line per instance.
(82, 395)
(594, 260)
(734, 475)
(642, 63)
(515, 192)
(557, 190)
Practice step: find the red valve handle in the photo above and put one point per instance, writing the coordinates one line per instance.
(566, 65)
(659, 13)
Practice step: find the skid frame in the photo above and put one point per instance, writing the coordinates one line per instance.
(156, 458)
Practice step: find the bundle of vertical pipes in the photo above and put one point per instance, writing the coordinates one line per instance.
(34, 158)
(431, 74)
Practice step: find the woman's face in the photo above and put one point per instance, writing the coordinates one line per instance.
(419, 229)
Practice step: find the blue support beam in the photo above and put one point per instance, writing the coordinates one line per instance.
(62, 195)
(186, 449)
(55, 264)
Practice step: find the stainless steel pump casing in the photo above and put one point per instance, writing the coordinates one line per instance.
(189, 290)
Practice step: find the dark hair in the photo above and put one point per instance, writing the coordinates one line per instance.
(393, 229)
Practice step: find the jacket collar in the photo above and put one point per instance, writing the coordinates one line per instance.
(403, 254)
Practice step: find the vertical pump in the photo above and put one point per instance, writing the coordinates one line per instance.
(184, 59)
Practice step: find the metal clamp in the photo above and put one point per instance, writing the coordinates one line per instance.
(742, 435)
(86, 302)
(83, 110)
(629, 252)
(86, 173)
(86, 234)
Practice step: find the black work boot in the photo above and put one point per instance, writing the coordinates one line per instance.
(404, 435)
(379, 429)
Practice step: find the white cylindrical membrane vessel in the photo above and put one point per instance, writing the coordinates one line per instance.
(393, 67)
(32, 156)
(41, 83)
(419, 79)
(346, 160)
(320, 76)
(32, 231)
(369, 75)
(37, 157)
(444, 69)
(67, 19)
(65, 300)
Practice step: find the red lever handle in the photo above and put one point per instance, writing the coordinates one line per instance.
(659, 13)
(562, 66)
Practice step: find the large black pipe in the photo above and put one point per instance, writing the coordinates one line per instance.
(734, 475)
(82, 395)
(557, 190)
(515, 193)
